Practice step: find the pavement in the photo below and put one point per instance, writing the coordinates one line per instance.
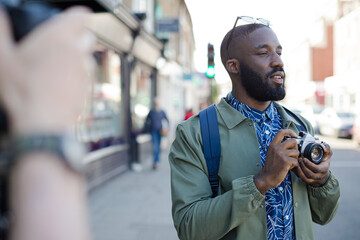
(134, 205)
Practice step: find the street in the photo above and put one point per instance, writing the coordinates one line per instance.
(346, 167)
(136, 205)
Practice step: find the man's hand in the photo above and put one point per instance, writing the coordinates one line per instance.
(281, 157)
(313, 174)
(44, 78)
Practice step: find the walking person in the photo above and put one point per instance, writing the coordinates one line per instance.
(266, 191)
(155, 123)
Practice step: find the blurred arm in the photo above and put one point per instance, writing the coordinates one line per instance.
(47, 199)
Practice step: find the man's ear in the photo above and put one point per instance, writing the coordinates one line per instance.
(233, 66)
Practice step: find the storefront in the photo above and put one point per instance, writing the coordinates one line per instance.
(122, 93)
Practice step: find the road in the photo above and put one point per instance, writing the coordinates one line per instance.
(345, 165)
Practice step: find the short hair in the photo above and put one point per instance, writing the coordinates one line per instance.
(241, 31)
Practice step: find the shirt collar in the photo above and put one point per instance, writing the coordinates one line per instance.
(250, 112)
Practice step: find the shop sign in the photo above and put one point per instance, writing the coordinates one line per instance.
(168, 25)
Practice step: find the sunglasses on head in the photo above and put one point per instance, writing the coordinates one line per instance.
(247, 19)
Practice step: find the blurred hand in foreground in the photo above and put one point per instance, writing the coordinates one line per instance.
(44, 78)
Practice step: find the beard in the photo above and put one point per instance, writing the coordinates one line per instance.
(258, 87)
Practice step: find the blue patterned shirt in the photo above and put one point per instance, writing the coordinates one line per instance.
(278, 200)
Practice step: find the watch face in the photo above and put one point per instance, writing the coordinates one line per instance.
(74, 152)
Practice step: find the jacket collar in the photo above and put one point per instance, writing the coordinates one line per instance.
(233, 117)
(286, 118)
(230, 115)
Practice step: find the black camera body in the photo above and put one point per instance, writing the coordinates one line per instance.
(309, 147)
(28, 15)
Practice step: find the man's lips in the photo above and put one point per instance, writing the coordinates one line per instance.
(277, 77)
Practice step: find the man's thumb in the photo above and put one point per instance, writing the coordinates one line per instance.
(5, 31)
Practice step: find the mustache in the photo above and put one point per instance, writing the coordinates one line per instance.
(276, 69)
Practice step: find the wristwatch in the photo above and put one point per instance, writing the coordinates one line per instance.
(65, 147)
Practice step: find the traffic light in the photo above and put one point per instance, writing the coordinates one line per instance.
(210, 72)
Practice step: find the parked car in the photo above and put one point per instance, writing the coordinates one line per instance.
(336, 123)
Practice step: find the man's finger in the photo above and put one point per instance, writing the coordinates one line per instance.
(77, 10)
(300, 174)
(79, 16)
(6, 39)
(290, 144)
(327, 149)
(316, 168)
(282, 133)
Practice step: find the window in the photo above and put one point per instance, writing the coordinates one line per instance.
(140, 93)
(101, 124)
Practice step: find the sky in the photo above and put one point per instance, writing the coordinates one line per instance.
(212, 19)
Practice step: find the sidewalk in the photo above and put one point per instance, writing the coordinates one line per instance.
(134, 205)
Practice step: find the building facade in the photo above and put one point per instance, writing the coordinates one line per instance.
(136, 62)
(323, 70)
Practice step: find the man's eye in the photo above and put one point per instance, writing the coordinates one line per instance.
(262, 53)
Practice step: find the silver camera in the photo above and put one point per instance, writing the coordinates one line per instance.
(309, 147)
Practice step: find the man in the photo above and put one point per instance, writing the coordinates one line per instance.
(266, 191)
(155, 124)
(44, 81)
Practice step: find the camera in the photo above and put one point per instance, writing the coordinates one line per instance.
(309, 147)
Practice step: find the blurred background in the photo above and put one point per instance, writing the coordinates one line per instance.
(170, 49)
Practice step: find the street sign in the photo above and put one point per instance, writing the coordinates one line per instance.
(168, 25)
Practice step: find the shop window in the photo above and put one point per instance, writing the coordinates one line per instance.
(101, 124)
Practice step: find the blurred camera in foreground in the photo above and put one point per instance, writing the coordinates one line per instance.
(309, 147)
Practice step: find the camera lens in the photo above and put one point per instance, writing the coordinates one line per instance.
(314, 152)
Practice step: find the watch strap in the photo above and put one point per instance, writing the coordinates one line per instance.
(62, 146)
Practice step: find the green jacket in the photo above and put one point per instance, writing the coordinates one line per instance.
(239, 211)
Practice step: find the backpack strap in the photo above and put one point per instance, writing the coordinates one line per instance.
(211, 145)
(300, 124)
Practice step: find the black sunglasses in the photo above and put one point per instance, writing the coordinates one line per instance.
(247, 19)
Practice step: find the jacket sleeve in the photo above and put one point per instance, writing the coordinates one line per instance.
(196, 215)
(324, 200)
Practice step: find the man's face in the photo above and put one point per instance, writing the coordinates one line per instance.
(261, 68)
(259, 87)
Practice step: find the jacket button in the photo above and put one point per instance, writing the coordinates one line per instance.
(261, 206)
(296, 204)
(258, 164)
(250, 124)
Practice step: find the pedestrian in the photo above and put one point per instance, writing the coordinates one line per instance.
(44, 81)
(189, 113)
(266, 191)
(157, 124)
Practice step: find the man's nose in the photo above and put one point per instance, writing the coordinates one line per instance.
(276, 61)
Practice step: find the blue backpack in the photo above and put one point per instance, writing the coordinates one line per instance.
(211, 143)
